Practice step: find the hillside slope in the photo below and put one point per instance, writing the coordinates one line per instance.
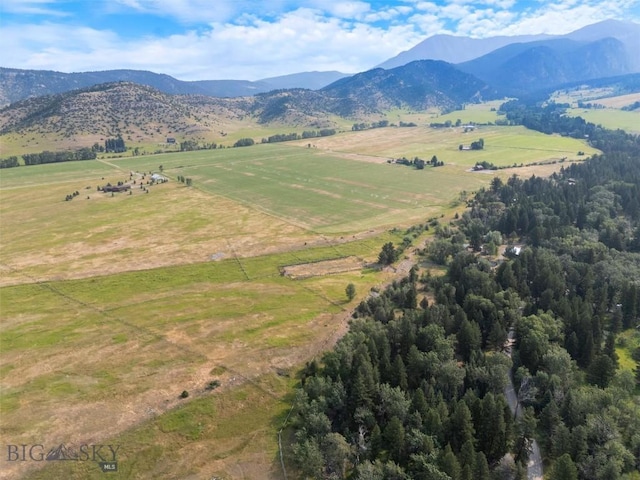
(137, 112)
(526, 67)
(143, 114)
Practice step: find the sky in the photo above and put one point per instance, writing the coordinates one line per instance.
(256, 39)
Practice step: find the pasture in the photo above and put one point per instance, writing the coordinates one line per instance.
(610, 118)
(503, 146)
(113, 305)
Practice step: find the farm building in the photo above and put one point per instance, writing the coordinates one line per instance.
(157, 178)
(116, 188)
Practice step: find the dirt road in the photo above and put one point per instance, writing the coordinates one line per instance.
(534, 467)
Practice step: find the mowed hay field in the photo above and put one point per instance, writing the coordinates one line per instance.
(111, 306)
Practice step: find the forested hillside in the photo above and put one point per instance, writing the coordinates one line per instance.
(415, 390)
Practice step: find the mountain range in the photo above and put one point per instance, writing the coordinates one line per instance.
(456, 49)
(514, 65)
(147, 107)
(135, 110)
(16, 84)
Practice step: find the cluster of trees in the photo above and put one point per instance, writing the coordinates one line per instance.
(324, 132)
(9, 162)
(409, 392)
(366, 126)
(191, 145)
(281, 137)
(407, 124)
(418, 162)
(632, 107)
(589, 105)
(484, 165)
(446, 124)
(552, 118)
(392, 400)
(186, 180)
(578, 279)
(287, 137)
(244, 142)
(56, 157)
(114, 145)
(476, 145)
(415, 390)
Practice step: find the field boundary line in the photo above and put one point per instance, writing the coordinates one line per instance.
(237, 259)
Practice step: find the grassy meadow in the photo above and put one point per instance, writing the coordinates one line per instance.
(112, 305)
(612, 116)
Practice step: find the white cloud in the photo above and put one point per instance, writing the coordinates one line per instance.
(204, 11)
(387, 14)
(562, 18)
(347, 10)
(302, 40)
(237, 40)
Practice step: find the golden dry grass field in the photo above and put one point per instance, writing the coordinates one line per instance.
(112, 306)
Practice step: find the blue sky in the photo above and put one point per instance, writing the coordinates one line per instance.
(254, 39)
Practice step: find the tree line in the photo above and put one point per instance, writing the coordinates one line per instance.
(56, 157)
(287, 137)
(578, 279)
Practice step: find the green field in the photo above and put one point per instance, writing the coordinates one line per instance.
(122, 347)
(610, 118)
(317, 191)
(112, 305)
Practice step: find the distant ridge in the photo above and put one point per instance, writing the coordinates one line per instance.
(457, 49)
(141, 113)
(521, 68)
(17, 84)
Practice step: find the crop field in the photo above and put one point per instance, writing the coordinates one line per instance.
(113, 305)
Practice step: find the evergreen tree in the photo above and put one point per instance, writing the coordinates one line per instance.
(394, 437)
(564, 469)
(449, 463)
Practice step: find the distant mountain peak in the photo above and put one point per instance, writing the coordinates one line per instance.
(458, 49)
